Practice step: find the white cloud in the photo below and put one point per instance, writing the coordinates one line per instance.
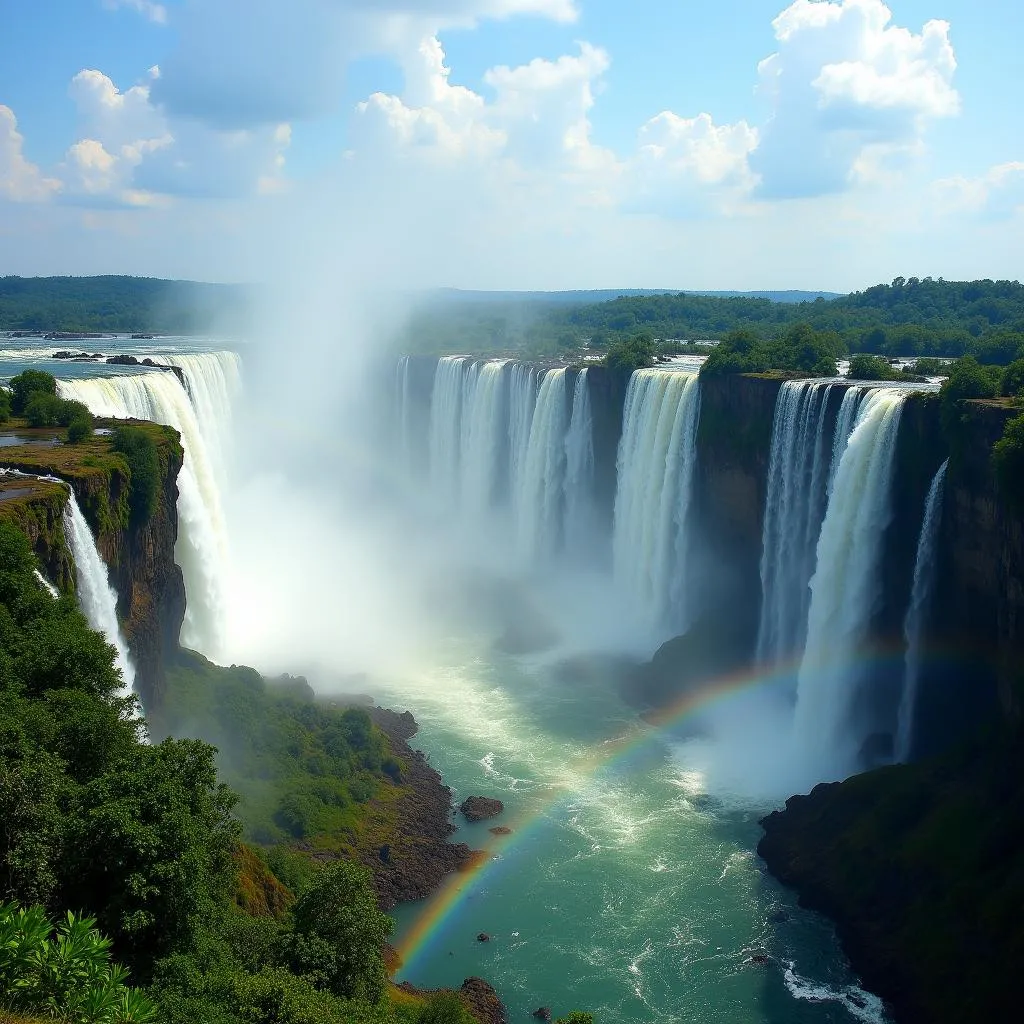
(240, 64)
(850, 93)
(154, 12)
(996, 195)
(20, 180)
(130, 150)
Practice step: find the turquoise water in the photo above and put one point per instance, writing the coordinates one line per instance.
(627, 890)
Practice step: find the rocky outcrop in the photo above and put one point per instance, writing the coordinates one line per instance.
(920, 868)
(479, 808)
(419, 853)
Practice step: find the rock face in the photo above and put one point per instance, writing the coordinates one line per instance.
(920, 868)
(419, 853)
(478, 808)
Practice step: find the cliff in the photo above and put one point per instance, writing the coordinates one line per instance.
(140, 558)
(920, 867)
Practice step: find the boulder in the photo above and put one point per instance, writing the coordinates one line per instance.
(477, 808)
(483, 937)
(500, 830)
(542, 1013)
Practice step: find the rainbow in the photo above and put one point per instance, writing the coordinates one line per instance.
(441, 908)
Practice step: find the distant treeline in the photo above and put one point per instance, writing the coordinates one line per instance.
(117, 305)
(908, 317)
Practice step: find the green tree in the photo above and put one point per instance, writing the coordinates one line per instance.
(139, 451)
(27, 384)
(576, 1017)
(636, 353)
(445, 1008)
(864, 367)
(79, 429)
(338, 934)
(5, 405)
(1013, 379)
(967, 379)
(42, 409)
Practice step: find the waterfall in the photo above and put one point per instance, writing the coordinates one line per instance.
(917, 613)
(539, 495)
(403, 417)
(47, 585)
(483, 434)
(656, 461)
(522, 400)
(793, 515)
(96, 597)
(446, 427)
(201, 549)
(845, 586)
(580, 514)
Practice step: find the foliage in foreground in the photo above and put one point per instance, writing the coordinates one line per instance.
(65, 972)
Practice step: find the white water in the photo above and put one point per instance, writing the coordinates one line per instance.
(403, 416)
(483, 435)
(47, 585)
(538, 496)
(202, 548)
(580, 512)
(96, 596)
(656, 461)
(917, 613)
(793, 516)
(446, 428)
(523, 387)
(845, 588)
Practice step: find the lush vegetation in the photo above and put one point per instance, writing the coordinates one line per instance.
(799, 349)
(1008, 461)
(636, 353)
(64, 972)
(139, 451)
(116, 304)
(33, 395)
(5, 405)
(142, 840)
(909, 317)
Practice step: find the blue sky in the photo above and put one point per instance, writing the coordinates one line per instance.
(514, 143)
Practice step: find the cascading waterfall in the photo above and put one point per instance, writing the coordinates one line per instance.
(46, 584)
(656, 461)
(201, 550)
(845, 586)
(793, 515)
(538, 498)
(917, 614)
(483, 434)
(523, 387)
(403, 418)
(446, 427)
(580, 514)
(96, 597)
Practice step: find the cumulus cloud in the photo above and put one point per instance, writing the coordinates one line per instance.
(131, 151)
(20, 180)
(239, 64)
(996, 195)
(850, 92)
(154, 12)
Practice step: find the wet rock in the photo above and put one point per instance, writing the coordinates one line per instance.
(759, 958)
(385, 853)
(500, 830)
(542, 1013)
(778, 917)
(483, 1001)
(477, 808)
(483, 937)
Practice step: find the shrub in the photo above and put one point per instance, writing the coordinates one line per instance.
(139, 451)
(801, 349)
(929, 366)
(5, 405)
(576, 1017)
(64, 972)
(871, 368)
(967, 379)
(42, 409)
(27, 384)
(445, 1008)
(79, 429)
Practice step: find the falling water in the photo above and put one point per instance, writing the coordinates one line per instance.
(446, 427)
(46, 584)
(539, 494)
(96, 597)
(201, 550)
(403, 414)
(483, 434)
(793, 516)
(917, 614)
(656, 461)
(845, 587)
(522, 400)
(580, 513)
